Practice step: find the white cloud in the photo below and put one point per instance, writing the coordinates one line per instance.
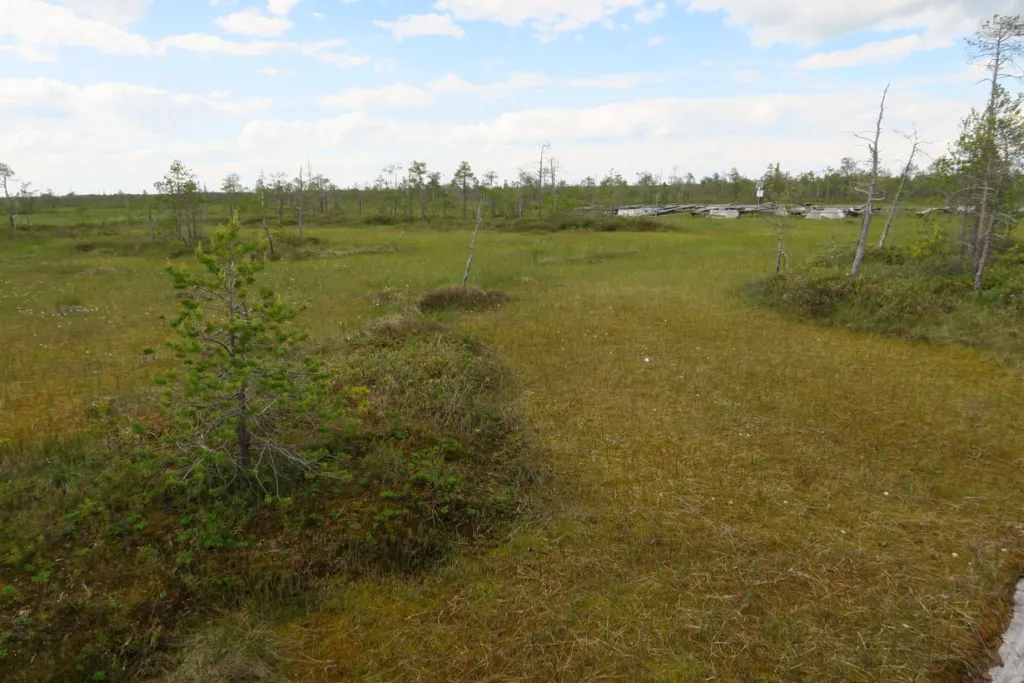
(414, 25)
(330, 132)
(126, 133)
(272, 71)
(139, 106)
(39, 28)
(545, 16)
(712, 133)
(252, 22)
(397, 96)
(618, 80)
(118, 12)
(809, 23)
(646, 15)
(516, 80)
(406, 96)
(205, 43)
(281, 7)
(873, 53)
(655, 41)
(318, 15)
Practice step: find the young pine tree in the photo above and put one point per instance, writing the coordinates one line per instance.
(244, 410)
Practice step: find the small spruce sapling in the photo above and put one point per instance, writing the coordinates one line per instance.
(244, 409)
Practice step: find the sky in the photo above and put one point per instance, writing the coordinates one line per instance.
(102, 95)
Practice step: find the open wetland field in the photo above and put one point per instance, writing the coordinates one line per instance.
(718, 490)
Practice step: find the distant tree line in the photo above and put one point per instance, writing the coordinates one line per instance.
(180, 203)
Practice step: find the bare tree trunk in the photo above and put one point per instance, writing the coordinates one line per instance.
(986, 249)
(865, 224)
(899, 191)
(780, 254)
(270, 238)
(980, 250)
(300, 193)
(540, 181)
(472, 244)
(553, 165)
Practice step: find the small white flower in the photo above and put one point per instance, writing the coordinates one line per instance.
(647, 360)
(956, 554)
(886, 493)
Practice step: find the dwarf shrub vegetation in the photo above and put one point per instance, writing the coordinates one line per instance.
(919, 291)
(264, 467)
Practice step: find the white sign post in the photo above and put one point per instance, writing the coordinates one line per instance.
(760, 192)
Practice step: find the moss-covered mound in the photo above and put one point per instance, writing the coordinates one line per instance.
(101, 559)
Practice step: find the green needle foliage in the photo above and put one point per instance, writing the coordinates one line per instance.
(244, 409)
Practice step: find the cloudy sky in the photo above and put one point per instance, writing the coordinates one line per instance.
(101, 95)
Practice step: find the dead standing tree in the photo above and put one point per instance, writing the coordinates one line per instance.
(553, 168)
(472, 242)
(541, 172)
(908, 168)
(300, 192)
(869, 191)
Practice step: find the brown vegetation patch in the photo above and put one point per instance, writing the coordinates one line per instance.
(461, 298)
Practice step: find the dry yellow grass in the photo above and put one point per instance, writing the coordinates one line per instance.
(736, 496)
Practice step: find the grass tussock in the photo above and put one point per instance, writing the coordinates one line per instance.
(101, 558)
(460, 298)
(235, 647)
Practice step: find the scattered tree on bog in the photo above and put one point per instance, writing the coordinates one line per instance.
(244, 409)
